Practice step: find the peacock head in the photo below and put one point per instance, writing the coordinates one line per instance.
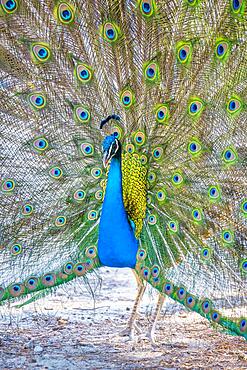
(111, 148)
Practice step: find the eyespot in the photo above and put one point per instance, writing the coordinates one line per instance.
(161, 195)
(8, 185)
(40, 144)
(243, 265)
(244, 207)
(37, 100)
(68, 268)
(145, 272)
(80, 269)
(87, 149)
(184, 52)
(162, 113)
(9, 6)
(83, 73)
(237, 6)
(222, 49)
(195, 107)
(157, 153)
(117, 132)
(92, 215)
(173, 226)
(228, 237)
(243, 325)
(194, 148)
(181, 293)
(155, 271)
(141, 254)
(206, 253)
(2, 291)
(230, 156)
(151, 72)
(82, 115)
(56, 172)
(60, 221)
(234, 105)
(214, 193)
(151, 177)
(27, 209)
(31, 283)
(16, 249)
(197, 214)
(79, 195)
(91, 252)
(215, 316)
(130, 148)
(193, 2)
(147, 8)
(206, 306)
(143, 159)
(98, 194)
(65, 13)
(177, 179)
(168, 288)
(96, 172)
(110, 32)
(16, 290)
(127, 98)
(40, 52)
(152, 219)
(190, 301)
(139, 138)
(49, 279)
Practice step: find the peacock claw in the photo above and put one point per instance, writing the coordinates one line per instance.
(129, 332)
(149, 336)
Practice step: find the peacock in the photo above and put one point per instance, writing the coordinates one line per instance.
(123, 141)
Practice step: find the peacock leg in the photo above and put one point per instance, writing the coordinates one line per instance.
(131, 326)
(150, 335)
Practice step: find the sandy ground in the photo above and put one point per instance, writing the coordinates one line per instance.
(72, 331)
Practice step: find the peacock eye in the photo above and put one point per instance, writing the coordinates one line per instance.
(181, 293)
(147, 8)
(48, 279)
(82, 115)
(173, 226)
(40, 144)
(162, 114)
(92, 215)
(214, 193)
(237, 6)
(8, 185)
(222, 49)
(9, 6)
(168, 288)
(215, 316)
(206, 306)
(27, 210)
(229, 156)
(41, 53)
(79, 195)
(37, 101)
(157, 153)
(152, 219)
(65, 13)
(177, 179)
(56, 172)
(234, 105)
(243, 325)
(91, 252)
(151, 72)
(127, 98)
(83, 73)
(96, 172)
(184, 52)
(244, 207)
(110, 32)
(130, 148)
(68, 268)
(206, 254)
(243, 266)
(194, 148)
(161, 195)
(197, 215)
(228, 237)
(60, 221)
(139, 138)
(16, 249)
(87, 149)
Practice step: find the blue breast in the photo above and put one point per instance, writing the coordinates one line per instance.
(117, 245)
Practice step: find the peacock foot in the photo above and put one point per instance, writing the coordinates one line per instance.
(130, 332)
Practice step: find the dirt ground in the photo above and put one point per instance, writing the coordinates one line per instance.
(70, 330)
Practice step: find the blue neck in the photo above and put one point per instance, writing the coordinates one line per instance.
(117, 245)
